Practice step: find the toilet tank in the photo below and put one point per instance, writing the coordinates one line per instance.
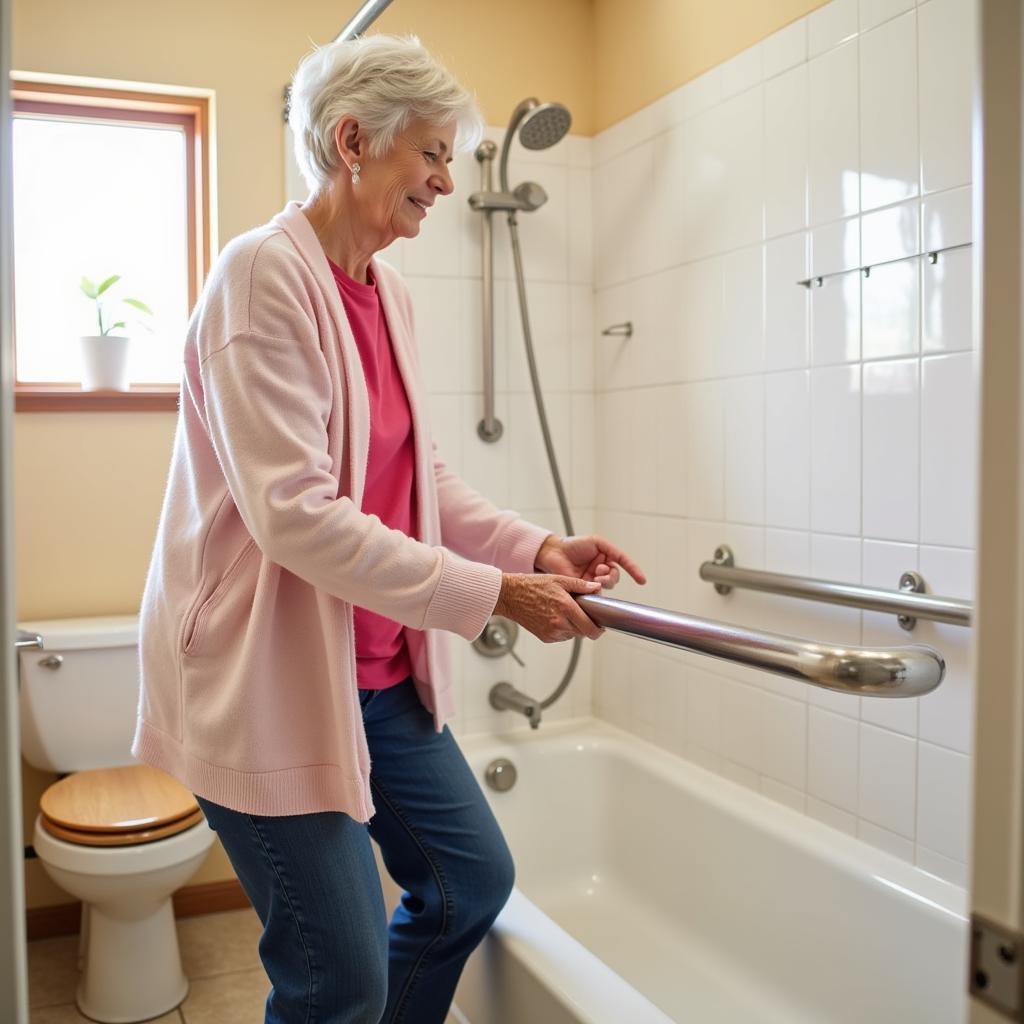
(78, 694)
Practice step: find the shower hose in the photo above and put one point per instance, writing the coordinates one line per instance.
(546, 431)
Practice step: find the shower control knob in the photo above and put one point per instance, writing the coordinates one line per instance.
(498, 638)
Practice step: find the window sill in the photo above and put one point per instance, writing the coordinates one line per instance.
(68, 398)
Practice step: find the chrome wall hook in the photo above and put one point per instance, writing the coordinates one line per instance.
(932, 255)
(624, 330)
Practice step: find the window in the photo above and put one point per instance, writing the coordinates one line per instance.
(106, 181)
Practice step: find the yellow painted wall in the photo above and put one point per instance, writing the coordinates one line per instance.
(88, 486)
(644, 49)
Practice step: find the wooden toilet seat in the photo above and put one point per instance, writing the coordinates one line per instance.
(120, 806)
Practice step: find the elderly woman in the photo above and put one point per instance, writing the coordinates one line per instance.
(294, 671)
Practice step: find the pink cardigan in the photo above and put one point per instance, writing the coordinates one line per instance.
(248, 692)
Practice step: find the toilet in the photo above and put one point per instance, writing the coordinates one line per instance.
(119, 835)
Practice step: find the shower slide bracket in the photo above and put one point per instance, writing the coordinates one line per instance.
(995, 976)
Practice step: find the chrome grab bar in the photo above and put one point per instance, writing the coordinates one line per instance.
(25, 640)
(869, 671)
(909, 604)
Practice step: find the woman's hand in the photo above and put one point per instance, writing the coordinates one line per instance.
(545, 606)
(586, 558)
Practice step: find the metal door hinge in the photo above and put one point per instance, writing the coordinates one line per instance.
(995, 970)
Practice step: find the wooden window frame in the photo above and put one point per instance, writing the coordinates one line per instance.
(192, 113)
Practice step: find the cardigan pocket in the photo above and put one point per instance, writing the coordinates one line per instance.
(198, 618)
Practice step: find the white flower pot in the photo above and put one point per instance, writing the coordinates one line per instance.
(104, 362)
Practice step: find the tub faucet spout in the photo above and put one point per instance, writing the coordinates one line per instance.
(505, 697)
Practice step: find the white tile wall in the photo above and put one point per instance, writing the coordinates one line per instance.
(946, 284)
(948, 441)
(825, 431)
(835, 449)
(785, 170)
(785, 49)
(832, 759)
(886, 779)
(946, 37)
(836, 300)
(874, 12)
(788, 449)
(744, 450)
(786, 303)
(831, 25)
(833, 146)
(891, 449)
(888, 112)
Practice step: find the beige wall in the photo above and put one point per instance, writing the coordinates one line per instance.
(645, 49)
(88, 486)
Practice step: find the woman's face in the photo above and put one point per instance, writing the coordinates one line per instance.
(396, 192)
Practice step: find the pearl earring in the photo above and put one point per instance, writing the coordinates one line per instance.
(355, 174)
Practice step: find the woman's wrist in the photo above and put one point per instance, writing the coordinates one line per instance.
(499, 605)
(549, 541)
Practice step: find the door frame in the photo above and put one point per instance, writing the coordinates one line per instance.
(997, 887)
(13, 952)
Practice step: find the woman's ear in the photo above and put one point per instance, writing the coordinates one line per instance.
(348, 140)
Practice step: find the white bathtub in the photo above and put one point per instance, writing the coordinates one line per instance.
(650, 890)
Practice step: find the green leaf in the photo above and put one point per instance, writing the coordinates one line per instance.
(89, 288)
(139, 305)
(113, 327)
(106, 284)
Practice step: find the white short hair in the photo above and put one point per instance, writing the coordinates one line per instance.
(384, 82)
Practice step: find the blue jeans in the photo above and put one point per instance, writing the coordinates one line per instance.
(327, 947)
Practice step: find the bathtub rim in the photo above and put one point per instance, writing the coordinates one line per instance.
(847, 853)
(575, 976)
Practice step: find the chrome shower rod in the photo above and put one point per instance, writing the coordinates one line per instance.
(364, 18)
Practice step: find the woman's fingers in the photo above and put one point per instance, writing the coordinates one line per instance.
(581, 622)
(627, 563)
(576, 617)
(546, 606)
(608, 553)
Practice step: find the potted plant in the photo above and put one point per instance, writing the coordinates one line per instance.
(105, 355)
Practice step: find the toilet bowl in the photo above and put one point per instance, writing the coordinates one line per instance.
(119, 835)
(131, 965)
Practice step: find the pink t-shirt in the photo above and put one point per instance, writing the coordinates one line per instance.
(382, 658)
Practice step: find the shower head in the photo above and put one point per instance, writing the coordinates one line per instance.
(544, 126)
(540, 125)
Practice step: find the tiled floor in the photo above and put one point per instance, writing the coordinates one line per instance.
(220, 957)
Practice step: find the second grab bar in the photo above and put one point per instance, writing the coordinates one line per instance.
(909, 671)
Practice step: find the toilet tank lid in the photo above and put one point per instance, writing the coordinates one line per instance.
(82, 634)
